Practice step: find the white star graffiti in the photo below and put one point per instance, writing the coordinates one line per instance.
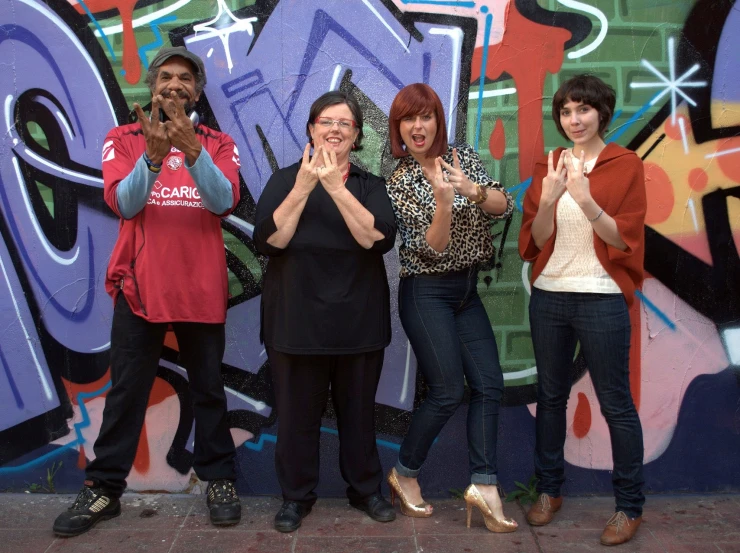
(222, 25)
(671, 84)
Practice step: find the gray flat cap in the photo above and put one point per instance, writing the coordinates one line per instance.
(170, 51)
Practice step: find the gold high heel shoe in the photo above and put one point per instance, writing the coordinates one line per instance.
(416, 511)
(473, 498)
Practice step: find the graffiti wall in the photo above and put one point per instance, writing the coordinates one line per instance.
(71, 69)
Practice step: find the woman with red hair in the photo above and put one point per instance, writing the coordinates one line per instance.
(444, 203)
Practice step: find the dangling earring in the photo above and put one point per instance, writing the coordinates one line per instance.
(354, 146)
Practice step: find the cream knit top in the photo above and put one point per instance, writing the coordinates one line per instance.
(573, 265)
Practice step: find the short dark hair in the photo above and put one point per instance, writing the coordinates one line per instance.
(591, 91)
(335, 98)
(416, 99)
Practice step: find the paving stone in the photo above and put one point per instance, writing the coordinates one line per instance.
(557, 540)
(365, 544)
(230, 541)
(335, 517)
(31, 511)
(479, 542)
(179, 523)
(23, 540)
(116, 541)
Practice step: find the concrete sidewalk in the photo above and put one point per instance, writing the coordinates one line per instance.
(179, 523)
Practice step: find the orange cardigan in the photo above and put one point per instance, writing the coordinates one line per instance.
(618, 187)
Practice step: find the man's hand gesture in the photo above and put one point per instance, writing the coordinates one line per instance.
(180, 128)
(155, 133)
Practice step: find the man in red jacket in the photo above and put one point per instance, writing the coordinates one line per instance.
(170, 180)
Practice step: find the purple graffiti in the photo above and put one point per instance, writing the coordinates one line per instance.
(264, 105)
(55, 110)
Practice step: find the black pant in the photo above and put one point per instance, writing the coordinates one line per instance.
(136, 345)
(301, 384)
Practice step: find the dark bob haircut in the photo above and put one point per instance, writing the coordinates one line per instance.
(416, 99)
(591, 91)
(335, 98)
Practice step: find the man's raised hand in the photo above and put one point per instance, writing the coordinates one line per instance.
(180, 128)
(155, 133)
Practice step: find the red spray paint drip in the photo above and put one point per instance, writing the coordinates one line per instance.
(582, 419)
(527, 52)
(130, 62)
(497, 142)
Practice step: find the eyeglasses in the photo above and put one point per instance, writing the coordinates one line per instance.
(327, 123)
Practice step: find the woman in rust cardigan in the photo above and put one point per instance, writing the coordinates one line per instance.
(583, 232)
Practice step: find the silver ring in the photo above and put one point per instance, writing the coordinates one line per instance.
(446, 177)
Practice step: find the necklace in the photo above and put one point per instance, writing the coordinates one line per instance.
(346, 175)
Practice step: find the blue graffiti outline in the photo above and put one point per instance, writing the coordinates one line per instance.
(257, 446)
(520, 189)
(158, 38)
(483, 64)
(654, 308)
(84, 423)
(631, 121)
(100, 29)
(234, 107)
(11, 381)
(322, 24)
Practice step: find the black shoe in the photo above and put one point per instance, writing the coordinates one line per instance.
(290, 515)
(91, 506)
(223, 503)
(376, 507)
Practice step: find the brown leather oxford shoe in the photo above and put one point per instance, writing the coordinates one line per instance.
(543, 511)
(620, 529)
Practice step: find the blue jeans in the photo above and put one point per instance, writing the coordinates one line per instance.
(601, 323)
(448, 327)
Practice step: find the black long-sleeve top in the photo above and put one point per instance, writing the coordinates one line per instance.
(324, 294)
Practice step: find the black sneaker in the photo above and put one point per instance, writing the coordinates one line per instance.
(223, 503)
(91, 506)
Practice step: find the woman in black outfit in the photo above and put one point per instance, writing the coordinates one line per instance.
(325, 225)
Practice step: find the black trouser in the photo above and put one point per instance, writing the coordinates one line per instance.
(136, 345)
(301, 384)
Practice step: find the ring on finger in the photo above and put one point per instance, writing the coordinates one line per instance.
(446, 177)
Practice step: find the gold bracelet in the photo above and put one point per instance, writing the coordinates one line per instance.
(482, 195)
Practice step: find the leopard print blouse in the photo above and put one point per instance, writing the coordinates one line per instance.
(414, 205)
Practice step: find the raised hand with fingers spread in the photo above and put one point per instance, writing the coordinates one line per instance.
(457, 178)
(155, 132)
(577, 182)
(332, 176)
(444, 192)
(180, 128)
(553, 185)
(307, 178)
